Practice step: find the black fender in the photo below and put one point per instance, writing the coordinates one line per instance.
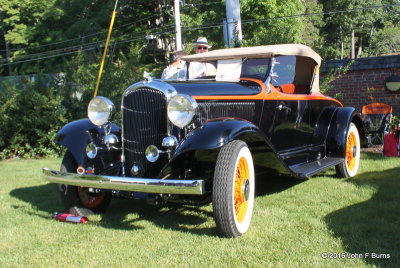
(75, 136)
(197, 153)
(323, 124)
(336, 139)
(216, 133)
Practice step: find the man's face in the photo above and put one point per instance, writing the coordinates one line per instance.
(201, 49)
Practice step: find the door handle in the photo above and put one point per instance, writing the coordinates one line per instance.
(283, 107)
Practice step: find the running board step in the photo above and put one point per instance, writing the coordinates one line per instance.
(308, 169)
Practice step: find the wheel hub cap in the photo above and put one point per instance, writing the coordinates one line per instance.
(246, 190)
(354, 151)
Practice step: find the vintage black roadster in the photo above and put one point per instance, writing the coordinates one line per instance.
(199, 139)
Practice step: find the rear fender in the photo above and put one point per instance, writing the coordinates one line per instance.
(336, 139)
(75, 136)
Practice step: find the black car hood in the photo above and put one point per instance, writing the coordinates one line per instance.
(212, 88)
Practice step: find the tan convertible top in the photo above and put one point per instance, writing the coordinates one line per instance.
(256, 52)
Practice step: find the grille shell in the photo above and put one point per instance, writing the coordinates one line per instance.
(144, 113)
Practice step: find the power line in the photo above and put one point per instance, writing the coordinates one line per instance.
(84, 49)
(186, 28)
(319, 13)
(80, 47)
(184, 5)
(82, 37)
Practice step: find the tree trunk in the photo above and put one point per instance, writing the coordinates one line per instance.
(353, 45)
(7, 54)
(360, 47)
(341, 43)
(370, 41)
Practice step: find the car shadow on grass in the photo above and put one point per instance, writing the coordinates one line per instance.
(128, 214)
(372, 226)
(123, 214)
(268, 183)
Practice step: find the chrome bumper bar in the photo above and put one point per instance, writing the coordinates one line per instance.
(195, 187)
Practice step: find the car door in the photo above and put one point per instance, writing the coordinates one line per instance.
(291, 127)
(292, 130)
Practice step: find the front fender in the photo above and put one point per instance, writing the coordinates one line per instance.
(75, 136)
(196, 155)
(216, 133)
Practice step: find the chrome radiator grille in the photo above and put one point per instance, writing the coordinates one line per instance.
(144, 123)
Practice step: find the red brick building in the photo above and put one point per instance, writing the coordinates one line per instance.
(364, 82)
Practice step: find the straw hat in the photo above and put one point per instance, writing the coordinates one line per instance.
(202, 41)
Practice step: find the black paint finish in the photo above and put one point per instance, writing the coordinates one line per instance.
(212, 88)
(75, 136)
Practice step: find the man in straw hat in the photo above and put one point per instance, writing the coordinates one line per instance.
(198, 69)
(201, 45)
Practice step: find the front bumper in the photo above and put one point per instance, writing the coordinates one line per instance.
(191, 187)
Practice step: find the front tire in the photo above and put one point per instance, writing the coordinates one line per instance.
(74, 197)
(233, 189)
(350, 165)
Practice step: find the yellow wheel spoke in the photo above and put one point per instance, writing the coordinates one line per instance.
(351, 143)
(241, 175)
(241, 211)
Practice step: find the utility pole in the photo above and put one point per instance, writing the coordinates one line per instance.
(232, 24)
(178, 37)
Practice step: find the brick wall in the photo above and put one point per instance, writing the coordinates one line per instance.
(365, 81)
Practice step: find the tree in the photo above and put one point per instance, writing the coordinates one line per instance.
(386, 41)
(311, 34)
(349, 32)
(19, 20)
(276, 28)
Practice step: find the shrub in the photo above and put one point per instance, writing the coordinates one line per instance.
(30, 116)
(29, 119)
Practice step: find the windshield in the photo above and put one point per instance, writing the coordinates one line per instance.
(230, 70)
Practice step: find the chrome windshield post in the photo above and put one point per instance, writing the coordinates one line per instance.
(271, 74)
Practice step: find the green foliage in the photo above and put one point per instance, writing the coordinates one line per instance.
(395, 123)
(30, 118)
(124, 70)
(325, 83)
(199, 13)
(272, 31)
(43, 29)
(386, 41)
(360, 19)
(32, 115)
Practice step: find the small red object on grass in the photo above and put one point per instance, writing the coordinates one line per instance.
(70, 218)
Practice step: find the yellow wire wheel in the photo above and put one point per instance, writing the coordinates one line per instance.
(349, 167)
(241, 189)
(233, 189)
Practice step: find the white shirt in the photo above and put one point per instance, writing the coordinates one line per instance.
(200, 69)
(174, 72)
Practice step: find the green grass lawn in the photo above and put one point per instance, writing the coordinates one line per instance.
(294, 222)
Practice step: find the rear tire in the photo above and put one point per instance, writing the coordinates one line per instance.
(233, 189)
(75, 198)
(350, 165)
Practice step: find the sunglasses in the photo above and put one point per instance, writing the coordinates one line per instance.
(202, 47)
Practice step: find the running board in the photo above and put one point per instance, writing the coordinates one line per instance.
(308, 169)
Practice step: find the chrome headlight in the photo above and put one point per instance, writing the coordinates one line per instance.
(181, 110)
(100, 110)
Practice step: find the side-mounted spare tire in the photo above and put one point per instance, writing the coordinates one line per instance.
(75, 197)
(233, 189)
